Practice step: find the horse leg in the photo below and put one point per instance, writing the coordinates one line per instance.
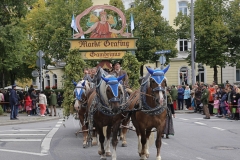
(115, 140)
(84, 128)
(143, 142)
(124, 132)
(101, 140)
(159, 142)
(148, 133)
(94, 138)
(108, 151)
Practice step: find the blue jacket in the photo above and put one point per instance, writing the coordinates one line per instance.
(13, 98)
(187, 94)
(180, 93)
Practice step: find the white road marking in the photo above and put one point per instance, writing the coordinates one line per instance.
(217, 119)
(184, 119)
(31, 153)
(58, 125)
(45, 146)
(219, 128)
(26, 130)
(200, 123)
(199, 158)
(60, 122)
(20, 140)
(22, 134)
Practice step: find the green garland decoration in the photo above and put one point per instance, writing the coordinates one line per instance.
(132, 67)
(73, 71)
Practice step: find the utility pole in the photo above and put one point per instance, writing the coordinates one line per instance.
(192, 45)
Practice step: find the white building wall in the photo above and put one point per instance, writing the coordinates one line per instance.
(229, 73)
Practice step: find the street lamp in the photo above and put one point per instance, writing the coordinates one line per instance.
(192, 44)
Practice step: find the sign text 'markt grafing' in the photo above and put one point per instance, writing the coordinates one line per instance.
(107, 43)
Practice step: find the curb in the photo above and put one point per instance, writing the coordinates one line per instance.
(13, 122)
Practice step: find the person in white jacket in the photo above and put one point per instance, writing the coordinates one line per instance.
(42, 103)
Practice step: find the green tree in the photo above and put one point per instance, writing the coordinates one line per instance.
(232, 21)
(119, 5)
(13, 39)
(73, 72)
(49, 26)
(131, 66)
(153, 31)
(211, 33)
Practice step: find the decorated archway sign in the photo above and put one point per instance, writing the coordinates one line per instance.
(104, 42)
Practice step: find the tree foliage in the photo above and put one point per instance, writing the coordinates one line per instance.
(232, 21)
(73, 72)
(49, 26)
(153, 31)
(211, 33)
(14, 48)
(131, 66)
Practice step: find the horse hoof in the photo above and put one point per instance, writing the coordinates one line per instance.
(139, 154)
(108, 154)
(84, 146)
(124, 145)
(147, 155)
(103, 158)
(100, 153)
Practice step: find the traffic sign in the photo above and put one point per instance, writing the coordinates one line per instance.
(38, 63)
(163, 52)
(35, 73)
(162, 59)
(40, 53)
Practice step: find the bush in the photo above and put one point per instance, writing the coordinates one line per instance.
(1, 110)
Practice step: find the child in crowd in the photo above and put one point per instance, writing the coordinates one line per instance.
(216, 105)
(28, 104)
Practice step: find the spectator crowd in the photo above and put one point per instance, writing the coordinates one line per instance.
(33, 102)
(210, 100)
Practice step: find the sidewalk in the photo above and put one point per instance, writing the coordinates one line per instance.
(184, 111)
(23, 118)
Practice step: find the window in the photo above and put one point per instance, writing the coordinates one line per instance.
(183, 45)
(237, 74)
(55, 80)
(47, 80)
(183, 76)
(183, 7)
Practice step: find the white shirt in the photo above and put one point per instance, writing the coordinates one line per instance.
(42, 99)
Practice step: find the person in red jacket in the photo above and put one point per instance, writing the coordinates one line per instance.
(28, 104)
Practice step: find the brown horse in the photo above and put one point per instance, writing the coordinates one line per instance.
(82, 92)
(150, 101)
(105, 109)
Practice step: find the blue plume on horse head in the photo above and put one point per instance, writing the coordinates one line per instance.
(74, 83)
(83, 84)
(158, 74)
(105, 79)
(113, 83)
(120, 78)
(166, 69)
(151, 71)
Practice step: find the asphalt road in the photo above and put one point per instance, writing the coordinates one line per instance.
(194, 139)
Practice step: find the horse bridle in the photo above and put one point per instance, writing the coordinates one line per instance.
(83, 101)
